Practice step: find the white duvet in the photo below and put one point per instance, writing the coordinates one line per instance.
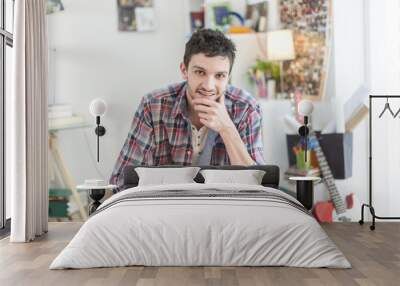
(190, 230)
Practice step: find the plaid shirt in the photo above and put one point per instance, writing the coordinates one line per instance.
(161, 130)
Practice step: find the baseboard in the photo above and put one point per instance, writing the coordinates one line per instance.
(5, 231)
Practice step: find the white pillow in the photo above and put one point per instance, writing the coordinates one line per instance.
(164, 176)
(248, 177)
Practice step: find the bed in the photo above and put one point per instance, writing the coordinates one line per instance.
(201, 224)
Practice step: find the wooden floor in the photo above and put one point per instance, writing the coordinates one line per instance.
(374, 255)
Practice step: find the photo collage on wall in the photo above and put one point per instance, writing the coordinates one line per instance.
(136, 15)
(310, 21)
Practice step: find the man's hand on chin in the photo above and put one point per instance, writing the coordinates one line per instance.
(213, 114)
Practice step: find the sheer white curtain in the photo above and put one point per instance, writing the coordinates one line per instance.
(28, 141)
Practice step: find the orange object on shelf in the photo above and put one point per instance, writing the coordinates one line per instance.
(314, 160)
(239, 29)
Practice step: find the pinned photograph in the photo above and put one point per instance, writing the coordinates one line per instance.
(256, 15)
(145, 19)
(136, 15)
(196, 20)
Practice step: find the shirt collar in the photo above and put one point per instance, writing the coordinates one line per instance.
(180, 106)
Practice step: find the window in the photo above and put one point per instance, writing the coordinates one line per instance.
(6, 44)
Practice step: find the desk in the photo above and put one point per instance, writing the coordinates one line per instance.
(61, 166)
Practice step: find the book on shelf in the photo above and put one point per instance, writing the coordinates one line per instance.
(293, 171)
(73, 207)
(59, 107)
(59, 114)
(65, 122)
(59, 111)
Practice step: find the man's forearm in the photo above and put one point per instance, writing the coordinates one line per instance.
(235, 147)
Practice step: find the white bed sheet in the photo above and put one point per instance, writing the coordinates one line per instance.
(191, 231)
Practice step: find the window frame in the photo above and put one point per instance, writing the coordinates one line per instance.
(6, 39)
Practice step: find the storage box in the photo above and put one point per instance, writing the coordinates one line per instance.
(58, 202)
(338, 150)
(58, 208)
(59, 192)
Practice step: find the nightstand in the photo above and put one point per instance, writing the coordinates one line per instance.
(96, 193)
(305, 190)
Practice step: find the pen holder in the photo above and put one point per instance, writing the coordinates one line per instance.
(300, 160)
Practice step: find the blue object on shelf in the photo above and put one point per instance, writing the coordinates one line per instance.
(238, 16)
(220, 14)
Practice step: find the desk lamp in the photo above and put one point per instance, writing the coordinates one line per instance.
(280, 48)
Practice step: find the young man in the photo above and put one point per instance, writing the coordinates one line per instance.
(201, 121)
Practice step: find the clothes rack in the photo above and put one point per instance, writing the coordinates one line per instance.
(369, 205)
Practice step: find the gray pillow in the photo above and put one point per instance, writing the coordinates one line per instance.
(164, 176)
(248, 177)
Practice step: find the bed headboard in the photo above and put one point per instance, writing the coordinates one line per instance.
(270, 179)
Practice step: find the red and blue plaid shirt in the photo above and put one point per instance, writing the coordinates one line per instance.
(161, 130)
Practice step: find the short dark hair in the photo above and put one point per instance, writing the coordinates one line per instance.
(211, 43)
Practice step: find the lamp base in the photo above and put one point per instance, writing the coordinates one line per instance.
(100, 130)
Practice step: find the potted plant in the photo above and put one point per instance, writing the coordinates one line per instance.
(264, 75)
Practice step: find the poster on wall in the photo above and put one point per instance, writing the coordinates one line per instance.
(256, 15)
(310, 21)
(136, 15)
(53, 6)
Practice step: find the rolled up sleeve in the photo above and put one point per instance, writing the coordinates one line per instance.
(250, 130)
(138, 148)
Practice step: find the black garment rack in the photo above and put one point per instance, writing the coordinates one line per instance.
(371, 208)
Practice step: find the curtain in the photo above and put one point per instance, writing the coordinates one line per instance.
(28, 123)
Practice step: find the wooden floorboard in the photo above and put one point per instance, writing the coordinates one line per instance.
(374, 255)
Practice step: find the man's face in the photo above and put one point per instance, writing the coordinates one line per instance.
(206, 77)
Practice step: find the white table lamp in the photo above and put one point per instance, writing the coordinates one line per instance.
(280, 47)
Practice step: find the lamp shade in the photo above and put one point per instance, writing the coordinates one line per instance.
(280, 45)
(98, 107)
(305, 107)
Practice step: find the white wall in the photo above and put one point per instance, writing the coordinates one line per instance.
(93, 59)
(384, 74)
(90, 58)
(348, 35)
(367, 45)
